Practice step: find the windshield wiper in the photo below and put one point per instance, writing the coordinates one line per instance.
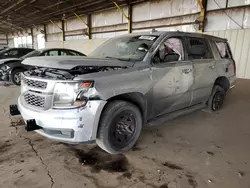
(120, 59)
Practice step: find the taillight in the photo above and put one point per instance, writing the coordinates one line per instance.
(234, 67)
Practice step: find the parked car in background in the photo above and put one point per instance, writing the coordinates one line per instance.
(14, 52)
(4, 48)
(126, 83)
(10, 69)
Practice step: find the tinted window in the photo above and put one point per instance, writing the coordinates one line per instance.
(13, 52)
(169, 51)
(52, 53)
(23, 52)
(224, 50)
(198, 49)
(32, 54)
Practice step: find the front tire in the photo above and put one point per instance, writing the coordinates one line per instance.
(216, 99)
(119, 127)
(16, 76)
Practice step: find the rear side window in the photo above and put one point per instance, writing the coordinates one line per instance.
(198, 49)
(224, 50)
(52, 53)
(69, 53)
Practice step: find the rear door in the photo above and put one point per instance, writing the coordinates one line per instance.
(204, 65)
(173, 76)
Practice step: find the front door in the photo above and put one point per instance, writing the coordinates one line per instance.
(173, 77)
(204, 69)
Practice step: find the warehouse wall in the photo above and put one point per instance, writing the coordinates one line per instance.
(83, 45)
(3, 41)
(111, 23)
(240, 45)
(231, 20)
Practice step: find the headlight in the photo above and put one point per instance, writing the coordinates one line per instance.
(70, 95)
(23, 87)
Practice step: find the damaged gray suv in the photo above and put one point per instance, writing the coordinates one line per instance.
(126, 83)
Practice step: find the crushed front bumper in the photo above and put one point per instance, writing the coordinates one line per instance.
(4, 75)
(66, 125)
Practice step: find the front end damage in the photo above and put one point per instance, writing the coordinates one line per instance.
(58, 105)
(4, 73)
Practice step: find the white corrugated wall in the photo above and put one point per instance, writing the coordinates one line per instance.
(240, 45)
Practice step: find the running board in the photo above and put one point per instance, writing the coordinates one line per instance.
(164, 118)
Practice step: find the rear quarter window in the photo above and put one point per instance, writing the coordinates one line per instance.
(224, 50)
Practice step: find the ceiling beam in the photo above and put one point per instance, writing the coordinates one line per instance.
(11, 7)
(66, 10)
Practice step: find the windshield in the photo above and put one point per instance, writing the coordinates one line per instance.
(125, 47)
(32, 54)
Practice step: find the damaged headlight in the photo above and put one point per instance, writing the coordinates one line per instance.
(23, 87)
(70, 95)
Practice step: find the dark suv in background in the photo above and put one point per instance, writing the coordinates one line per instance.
(11, 68)
(14, 52)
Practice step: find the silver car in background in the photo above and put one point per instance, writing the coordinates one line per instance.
(126, 83)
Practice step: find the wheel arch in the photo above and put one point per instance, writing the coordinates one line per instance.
(136, 98)
(223, 82)
(15, 68)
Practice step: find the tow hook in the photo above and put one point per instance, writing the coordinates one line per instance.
(14, 110)
(31, 125)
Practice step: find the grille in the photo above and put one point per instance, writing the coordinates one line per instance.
(34, 100)
(35, 83)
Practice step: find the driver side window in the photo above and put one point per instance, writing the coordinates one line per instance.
(169, 51)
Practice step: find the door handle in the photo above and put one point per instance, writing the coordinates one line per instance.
(211, 66)
(186, 71)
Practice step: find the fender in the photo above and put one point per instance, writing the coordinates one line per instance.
(13, 68)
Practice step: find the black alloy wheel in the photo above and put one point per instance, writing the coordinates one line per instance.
(122, 129)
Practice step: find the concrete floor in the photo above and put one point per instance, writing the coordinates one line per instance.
(197, 150)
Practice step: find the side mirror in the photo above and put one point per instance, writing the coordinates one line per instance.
(5, 54)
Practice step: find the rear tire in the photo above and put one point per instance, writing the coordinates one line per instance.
(216, 99)
(119, 127)
(16, 76)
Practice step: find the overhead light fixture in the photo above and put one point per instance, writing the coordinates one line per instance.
(63, 16)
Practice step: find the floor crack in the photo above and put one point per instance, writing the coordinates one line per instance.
(35, 151)
(45, 165)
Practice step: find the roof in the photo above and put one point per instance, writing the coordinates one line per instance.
(22, 14)
(21, 48)
(43, 49)
(160, 33)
